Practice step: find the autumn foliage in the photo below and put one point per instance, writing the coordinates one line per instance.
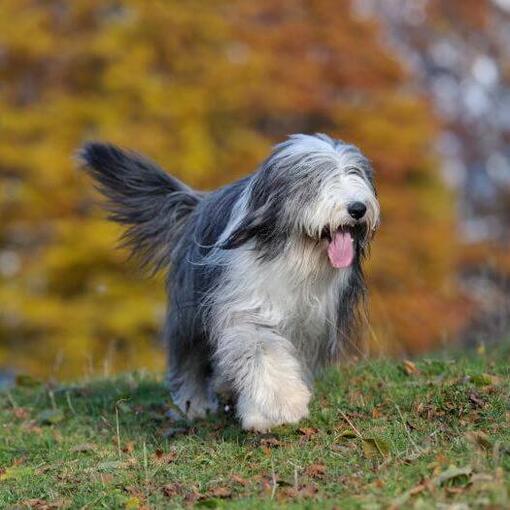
(205, 88)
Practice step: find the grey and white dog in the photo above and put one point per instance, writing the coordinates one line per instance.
(264, 275)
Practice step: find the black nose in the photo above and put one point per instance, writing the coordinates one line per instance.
(357, 210)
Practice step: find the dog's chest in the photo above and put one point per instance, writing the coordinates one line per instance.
(302, 306)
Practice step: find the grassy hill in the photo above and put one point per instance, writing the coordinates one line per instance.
(382, 434)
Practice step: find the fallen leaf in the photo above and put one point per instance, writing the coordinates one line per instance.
(454, 490)
(270, 442)
(193, 497)
(379, 483)
(475, 399)
(375, 447)
(316, 470)
(128, 447)
(220, 492)
(40, 504)
(239, 479)
(172, 489)
(410, 368)
(308, 431)
(162, 457)
(301, 492)
(348, 434)
(376, 413)
(480, 439)
(454, 476)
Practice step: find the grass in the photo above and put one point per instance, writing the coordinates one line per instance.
(382, 434)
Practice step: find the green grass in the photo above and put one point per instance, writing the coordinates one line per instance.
(378, 437)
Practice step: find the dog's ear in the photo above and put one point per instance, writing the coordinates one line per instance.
(254, 223)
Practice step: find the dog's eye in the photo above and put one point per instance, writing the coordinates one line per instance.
(354, 171)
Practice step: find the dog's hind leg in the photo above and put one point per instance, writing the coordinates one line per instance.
(189, 376)
(266, 375)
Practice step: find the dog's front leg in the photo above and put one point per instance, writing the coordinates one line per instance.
(266, 375)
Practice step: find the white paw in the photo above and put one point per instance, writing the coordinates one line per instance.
(262, 414)
(256, 422)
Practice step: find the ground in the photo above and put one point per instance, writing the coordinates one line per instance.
(382, 434)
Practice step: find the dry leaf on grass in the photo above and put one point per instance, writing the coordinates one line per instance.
(410, 368)
(172, 489)
(348, 434)
(239, 479)
(161, 457)
(220, 492)
(479, 439)
(40, 504)
(374, 447)
(301, 492)
(270, 442)
(454, 477)
(129, 447)
(308, 431)
(316, 470)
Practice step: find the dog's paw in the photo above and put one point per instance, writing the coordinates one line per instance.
(197, 406)
(256, 422)
(263, 415)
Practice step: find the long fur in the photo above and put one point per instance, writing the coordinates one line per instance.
(255, 307)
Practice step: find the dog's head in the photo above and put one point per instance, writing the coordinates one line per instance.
(314, 189)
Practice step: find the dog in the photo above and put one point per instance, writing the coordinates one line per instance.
(265, 279)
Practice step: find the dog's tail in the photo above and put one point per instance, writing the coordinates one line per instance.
(154, 205)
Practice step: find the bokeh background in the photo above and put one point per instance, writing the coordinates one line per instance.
(206, 88)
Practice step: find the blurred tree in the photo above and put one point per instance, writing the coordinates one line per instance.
(205, 88)
(459, 52)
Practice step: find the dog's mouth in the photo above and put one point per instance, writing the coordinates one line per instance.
(341, 245)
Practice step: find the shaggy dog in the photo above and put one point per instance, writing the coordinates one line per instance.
(264, 275)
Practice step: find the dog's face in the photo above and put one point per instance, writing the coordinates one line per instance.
(314, 189)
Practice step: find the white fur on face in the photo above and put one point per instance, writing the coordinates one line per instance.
(342, 180)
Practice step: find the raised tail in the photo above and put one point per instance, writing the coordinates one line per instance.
(154, 205)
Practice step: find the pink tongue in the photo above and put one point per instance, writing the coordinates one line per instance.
(341, 250)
